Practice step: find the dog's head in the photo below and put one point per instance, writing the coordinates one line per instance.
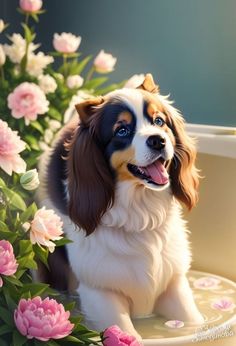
(129, 134)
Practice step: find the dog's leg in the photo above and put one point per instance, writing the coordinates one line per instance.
(177, 302)
(105, 308)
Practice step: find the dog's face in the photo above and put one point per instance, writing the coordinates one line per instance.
(138, 141)
(130, 134)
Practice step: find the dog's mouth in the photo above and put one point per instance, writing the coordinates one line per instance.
(155, 173)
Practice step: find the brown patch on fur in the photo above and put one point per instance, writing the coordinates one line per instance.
(123, 118)
(149, 84)
(119, 161)
(84, 108)
(183, 172)
(90, 181)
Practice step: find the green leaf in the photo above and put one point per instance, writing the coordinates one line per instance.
(13, 280)
(2, 183)
(10, 302)
(36, 289)
(6, 316)
(28, 213)
(11, 236)
(25, 247)
(41, 253)
(27, 261)
(27, 32)
(18, 339)
(3, 227)
(53, 113)
(63, 241)
(82, 64)
(70, 306)
(5, 329)
(95, 82)
(14, 199)
(37, 126)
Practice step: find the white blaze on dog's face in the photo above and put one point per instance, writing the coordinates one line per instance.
(142, 143)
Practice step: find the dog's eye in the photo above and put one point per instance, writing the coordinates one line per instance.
(159, 121)
(122, 132)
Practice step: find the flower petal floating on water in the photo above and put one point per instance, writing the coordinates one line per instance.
(223, 304)
(174, 324)
(207, 283)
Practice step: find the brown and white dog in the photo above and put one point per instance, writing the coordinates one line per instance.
(117, 177)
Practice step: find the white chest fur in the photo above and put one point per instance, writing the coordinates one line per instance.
(140, 244)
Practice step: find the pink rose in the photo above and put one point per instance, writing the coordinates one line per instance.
(46, 226)
(66, 42)
(115, 337)
(10, 147)
(8, 264)
(42, 319)
(104, 62)
(30, 5)
(27, 100)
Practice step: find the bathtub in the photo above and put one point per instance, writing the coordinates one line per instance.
(213, 222)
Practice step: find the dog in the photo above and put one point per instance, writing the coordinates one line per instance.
(118, 177)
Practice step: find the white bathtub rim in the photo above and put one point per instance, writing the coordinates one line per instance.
(181, 340)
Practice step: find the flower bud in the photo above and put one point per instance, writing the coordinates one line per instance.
(31, 5)
(30, 180)
(74, 81)
(2, 56)
(2, 25)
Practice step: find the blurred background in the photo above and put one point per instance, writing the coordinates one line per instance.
(189, 46)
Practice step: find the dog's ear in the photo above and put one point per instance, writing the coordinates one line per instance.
(90, 181)
(149, 84)
(85, 109)
(183, 172)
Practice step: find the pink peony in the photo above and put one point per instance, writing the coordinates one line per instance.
(10, 147)
(104, 62)
(46, 226)
(30, 5)
(66, 42)
(115, 337)
(27, 100)
(8, 264)
(42, 319)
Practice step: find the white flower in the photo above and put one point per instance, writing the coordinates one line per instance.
(48, 136)
(135, 81)
(66, 42)
(54, 125)
(30, 180)
(16, 50)
(80, 96)
(43, 146)
(37, 63)
(104, 62)
(2, 56)
(2, 25)
(47, 83)
(74, 81)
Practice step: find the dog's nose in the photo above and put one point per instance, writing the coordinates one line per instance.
(156, 142)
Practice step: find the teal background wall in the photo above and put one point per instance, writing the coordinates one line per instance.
(188, 45)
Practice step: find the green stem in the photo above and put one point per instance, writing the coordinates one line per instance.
(2, 73)
(90, 73)
(27, 18)
(65, 65)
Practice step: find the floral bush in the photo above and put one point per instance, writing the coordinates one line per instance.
(33, 103)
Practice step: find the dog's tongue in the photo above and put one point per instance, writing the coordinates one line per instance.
(157, 172)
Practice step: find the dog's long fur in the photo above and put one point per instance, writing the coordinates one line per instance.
(130, 252)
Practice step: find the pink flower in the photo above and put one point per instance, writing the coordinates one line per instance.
(30, 5)
(174, 324)
(104, 62)
(10, 147)
(42, 319)
(115, 337)
(8, 264)
(66, 42)
(27, 100)
(206, 283)
(223, 304)
(46, 226)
